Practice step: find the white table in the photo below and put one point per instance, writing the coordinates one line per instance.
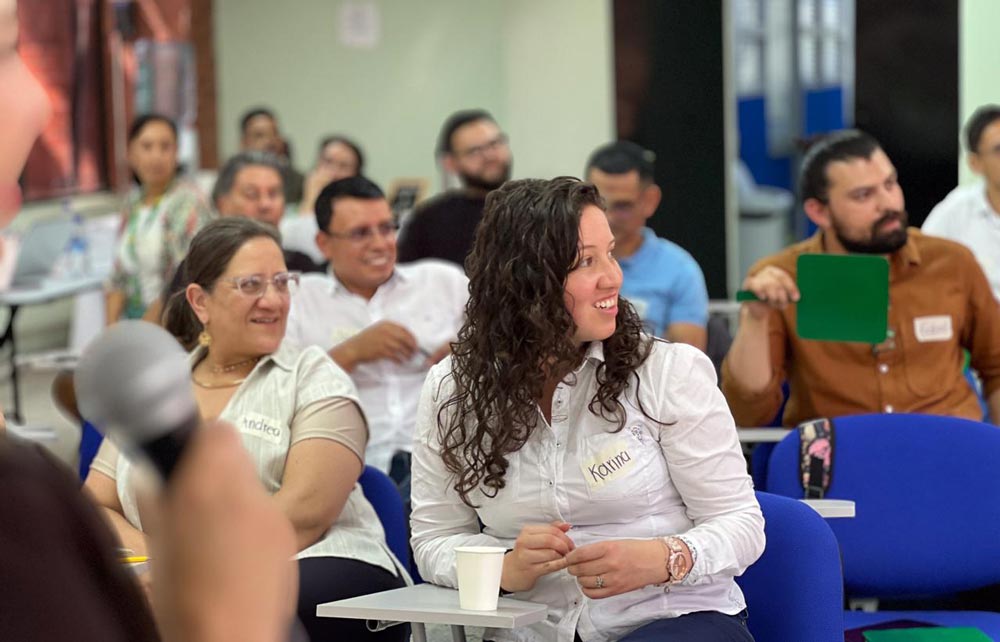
(46, 292)
(724, 306)
(430, 604)
(831, 507)
(761, 435)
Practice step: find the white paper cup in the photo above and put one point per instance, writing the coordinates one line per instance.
(479, 569)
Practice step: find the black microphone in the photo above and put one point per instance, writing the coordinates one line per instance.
(133, 382)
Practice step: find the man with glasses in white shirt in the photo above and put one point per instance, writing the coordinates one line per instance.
(385, 324)
(472, 147)
(970, 214)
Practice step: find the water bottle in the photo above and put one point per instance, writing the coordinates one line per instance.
(77, 249)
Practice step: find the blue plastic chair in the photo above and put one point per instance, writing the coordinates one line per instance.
(795, 590)
(90, 443)
(384, 497)
(927, 516)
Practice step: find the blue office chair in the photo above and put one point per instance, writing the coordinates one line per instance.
(795, 590)
(928, 521)
(90, 443)
(384, 497)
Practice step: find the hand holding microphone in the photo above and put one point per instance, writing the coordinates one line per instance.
(134, 383)
(223, 551)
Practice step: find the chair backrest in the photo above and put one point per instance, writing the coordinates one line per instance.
(926, 490)
(795, 590)
(384, 497)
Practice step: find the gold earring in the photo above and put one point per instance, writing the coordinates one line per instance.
(204, 339)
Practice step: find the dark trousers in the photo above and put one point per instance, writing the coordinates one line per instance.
(703, 626)
(327, 579)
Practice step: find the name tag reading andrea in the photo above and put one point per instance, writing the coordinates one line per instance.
(610, 464)
(262, 427)
(933, 328)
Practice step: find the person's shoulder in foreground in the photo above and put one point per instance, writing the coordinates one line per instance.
(58, 552)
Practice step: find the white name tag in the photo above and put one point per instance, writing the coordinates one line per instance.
(933, 328)
(262, 427)
(611, 464)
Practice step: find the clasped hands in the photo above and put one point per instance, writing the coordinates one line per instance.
(602, 569)
(388, 340)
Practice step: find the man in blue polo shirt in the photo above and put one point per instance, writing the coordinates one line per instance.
(663, 281)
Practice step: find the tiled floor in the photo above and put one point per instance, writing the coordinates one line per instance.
(40, 415)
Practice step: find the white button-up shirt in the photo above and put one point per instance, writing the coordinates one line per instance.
(426, 297)
(966, 216)
(648, 480)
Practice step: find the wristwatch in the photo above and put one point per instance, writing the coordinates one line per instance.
(678, 565)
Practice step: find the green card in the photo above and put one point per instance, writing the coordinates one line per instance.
(845, 297)
(936, 634)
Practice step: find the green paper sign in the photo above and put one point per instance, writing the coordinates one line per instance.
(844, 297)
(936, 634)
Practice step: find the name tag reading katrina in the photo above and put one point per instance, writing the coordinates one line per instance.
(933, 328)
(610, 464)
(260, 426)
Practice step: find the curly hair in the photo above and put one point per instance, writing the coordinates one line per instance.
(518, 331)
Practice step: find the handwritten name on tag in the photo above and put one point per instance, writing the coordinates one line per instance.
(262, 427)
(933, 328)
(610, 464)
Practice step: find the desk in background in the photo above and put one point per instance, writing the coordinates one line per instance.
(761, 435)
(46, 292)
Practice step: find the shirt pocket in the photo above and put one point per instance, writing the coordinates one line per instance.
(627, 464)
(929, 346)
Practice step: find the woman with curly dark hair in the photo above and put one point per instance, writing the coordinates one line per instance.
(605, 460)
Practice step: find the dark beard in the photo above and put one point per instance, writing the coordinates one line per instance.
(475, 182)
(885, 243)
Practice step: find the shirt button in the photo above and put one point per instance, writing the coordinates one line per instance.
(550, 482)
(889, 408)
(883, 368)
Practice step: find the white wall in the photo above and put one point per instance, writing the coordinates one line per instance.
(542, 68)
(979, 62)
(558, 80)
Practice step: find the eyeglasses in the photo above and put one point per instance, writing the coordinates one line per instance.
(255, 195)
(255, 285)
(361, 235)
(480, 150)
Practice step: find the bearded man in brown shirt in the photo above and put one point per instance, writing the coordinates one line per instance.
(940, 305)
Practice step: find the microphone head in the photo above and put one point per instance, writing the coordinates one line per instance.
(134, 381)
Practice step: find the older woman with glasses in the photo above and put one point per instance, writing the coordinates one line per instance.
(297, 414)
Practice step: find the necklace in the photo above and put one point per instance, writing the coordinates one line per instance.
(233, 366)
(213, 386)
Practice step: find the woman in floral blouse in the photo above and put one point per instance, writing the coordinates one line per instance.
(159, 218)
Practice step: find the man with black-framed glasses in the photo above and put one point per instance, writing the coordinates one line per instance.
(385, 324)
(472, 148)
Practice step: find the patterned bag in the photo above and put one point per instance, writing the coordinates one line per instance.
(816, 456)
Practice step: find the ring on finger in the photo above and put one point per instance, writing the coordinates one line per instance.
(600, 582)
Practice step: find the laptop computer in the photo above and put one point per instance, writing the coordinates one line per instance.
(40, 247)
